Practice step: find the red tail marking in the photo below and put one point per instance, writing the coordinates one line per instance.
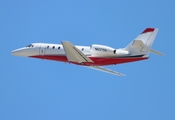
(148, 30)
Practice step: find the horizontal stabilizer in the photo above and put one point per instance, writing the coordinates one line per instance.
(156, 52)
(106, 70)
(73, 54)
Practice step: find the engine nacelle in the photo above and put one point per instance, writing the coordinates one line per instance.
(101, 50)
(121, 52)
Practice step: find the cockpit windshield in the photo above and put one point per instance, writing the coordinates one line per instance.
(30, 45)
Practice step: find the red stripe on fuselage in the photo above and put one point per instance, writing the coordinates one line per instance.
(98, 61)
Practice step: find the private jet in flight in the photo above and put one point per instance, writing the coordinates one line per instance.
(94, 56)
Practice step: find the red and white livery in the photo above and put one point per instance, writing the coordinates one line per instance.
(93, 56)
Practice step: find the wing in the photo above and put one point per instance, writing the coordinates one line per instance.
(106, 70)
(73, 54)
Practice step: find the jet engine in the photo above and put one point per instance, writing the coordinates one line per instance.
(102, 50)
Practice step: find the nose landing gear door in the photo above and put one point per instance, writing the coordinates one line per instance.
(42, 50)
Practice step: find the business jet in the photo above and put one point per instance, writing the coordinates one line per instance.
(94, 56)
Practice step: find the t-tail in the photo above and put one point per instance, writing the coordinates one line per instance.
(142, 44)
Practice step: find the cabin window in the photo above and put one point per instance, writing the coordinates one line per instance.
(53, 47)
(82, 49)
(59, 47)
(47, 47)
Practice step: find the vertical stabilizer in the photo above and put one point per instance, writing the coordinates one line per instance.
(142, 44)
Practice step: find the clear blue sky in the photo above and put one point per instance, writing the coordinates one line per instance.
(33, 89)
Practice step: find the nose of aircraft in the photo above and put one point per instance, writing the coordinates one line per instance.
(26, 51)
(19, 52)
(16, 52)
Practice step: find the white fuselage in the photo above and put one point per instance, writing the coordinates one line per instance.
(57, 49)
(100, 54)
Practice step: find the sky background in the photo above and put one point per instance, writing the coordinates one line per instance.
(34, 89)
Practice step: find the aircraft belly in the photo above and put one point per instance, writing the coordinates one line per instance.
(98, 61)
(113, 61)
(61, 58)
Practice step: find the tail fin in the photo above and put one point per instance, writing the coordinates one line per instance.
(142, 44)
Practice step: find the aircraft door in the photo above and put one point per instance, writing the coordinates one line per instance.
(42, 49)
